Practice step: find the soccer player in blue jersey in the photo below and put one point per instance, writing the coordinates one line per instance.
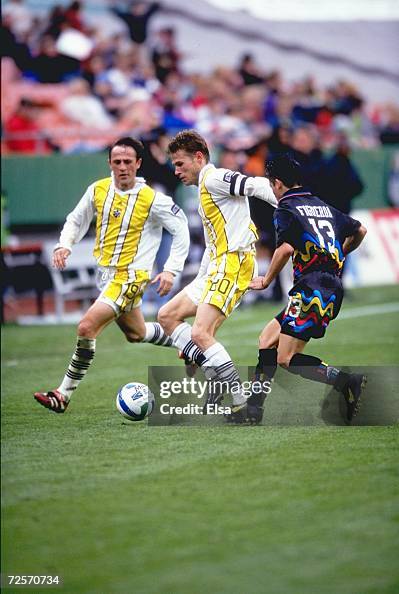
(317, 237)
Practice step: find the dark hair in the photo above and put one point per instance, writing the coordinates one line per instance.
(128, 141)
(285, 168)
(189, 141)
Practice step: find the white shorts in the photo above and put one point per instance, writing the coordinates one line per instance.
(120, 290)
(225, 281)
(195, 289)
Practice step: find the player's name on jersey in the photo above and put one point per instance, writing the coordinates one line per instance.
(314, 211)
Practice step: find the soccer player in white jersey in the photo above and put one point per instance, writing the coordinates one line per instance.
(130, 219)
(228, 264)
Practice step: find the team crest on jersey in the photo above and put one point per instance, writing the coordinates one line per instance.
(116, 213)
(175, 209)
(227, 176)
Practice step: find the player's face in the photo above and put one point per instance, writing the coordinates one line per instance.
(124, 165)
(188, 167)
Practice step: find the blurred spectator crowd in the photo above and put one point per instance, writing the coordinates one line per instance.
(70, 87)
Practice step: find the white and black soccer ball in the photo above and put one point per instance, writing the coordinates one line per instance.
(135, 401)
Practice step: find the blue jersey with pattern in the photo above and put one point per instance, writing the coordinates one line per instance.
(315, 230)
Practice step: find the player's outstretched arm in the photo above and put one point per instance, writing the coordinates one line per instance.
(259, 187)
(223, 182)
(353, 242)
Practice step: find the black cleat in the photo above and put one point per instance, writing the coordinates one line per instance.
(237, 415)
(254, 414)
(255, 406)
(247, 415)
(352, 393)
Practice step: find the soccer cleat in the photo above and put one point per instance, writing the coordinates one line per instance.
(191, 367)
(254, 414)
(255, 405)
(53, 400)
(352, 392)
(237, 415)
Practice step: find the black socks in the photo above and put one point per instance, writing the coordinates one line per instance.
(315, 369)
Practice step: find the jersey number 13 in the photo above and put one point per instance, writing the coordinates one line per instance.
(325, 233)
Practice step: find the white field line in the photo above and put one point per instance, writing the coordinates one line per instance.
(354, 312)
(226, 338)
(368, 310)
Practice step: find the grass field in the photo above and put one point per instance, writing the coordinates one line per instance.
(115, 507)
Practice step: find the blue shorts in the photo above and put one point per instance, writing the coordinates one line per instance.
(313, 302)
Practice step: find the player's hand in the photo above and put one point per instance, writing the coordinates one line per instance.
(60, 256)
(165, 280)
(257, 283)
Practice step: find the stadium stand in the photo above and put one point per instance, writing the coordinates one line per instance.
(251, 98)
(138, 86)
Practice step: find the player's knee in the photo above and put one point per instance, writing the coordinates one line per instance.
(87, 329)
(199, 336)
(134, 335)
(265, 342)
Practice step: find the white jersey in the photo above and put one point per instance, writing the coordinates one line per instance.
(129, 226)
(224, 208)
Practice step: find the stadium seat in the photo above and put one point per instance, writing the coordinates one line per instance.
(77, 281)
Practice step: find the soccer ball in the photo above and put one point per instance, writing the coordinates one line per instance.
(135, 401)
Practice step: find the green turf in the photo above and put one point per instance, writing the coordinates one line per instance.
(116, 507)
